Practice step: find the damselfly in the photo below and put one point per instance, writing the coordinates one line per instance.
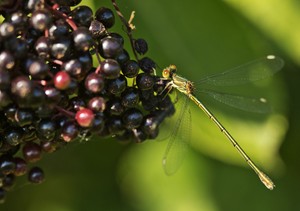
(250, 72)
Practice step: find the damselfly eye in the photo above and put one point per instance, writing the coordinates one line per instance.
(166, 73)
(172, 68)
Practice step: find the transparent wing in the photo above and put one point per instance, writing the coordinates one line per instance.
(257, 105)
(179, 140)
(249, 72)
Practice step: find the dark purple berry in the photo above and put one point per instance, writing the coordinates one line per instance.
(132, 118)
(82, 39)
(117, 86)
(24, 117)
(6, 29)
(69, 132)
(77, 103)
(130, 69)
(32, 152)
(7, 165)
(36, 175)
(122, 57)
(61, 48)
(20, 166)
(115, 125)
(82, 15)
(13, 136)
(59, 29)
(105, 16)
(115, 107)
(97, 104)
(110, 69)
(41, 19)
(38, 69)
(144, 81)
(7, 61)
(8, 182)
(42, 47)
(46, 129)
(110, 47)
(147, 65)
(130, 98)
(94, 83)
(141, 46)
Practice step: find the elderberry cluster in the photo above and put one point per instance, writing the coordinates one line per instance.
(64, 75)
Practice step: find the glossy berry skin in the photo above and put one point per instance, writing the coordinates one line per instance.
(130, 98)
(82, 15)
(48, 146)
(13, 136)
(82, 39)
(7, 61)
(105, 16)
(130, 69)
(132, 118)
(32, 152)
(115, 125)
(98, 124)
(46, 129)
(41, 19)
(59, 29)
(65, 76)
(7, 165)
(69, 131)
(42, 47)
(77, 103)
(18, 20)
(20, 166)
(62, 80)
(38, 69)
(117, 86)
(7, 30)
(115, 107)
(110, 69)
(75, 69)
(97, 104)
(150, 126)
(94, 83)
(53, 95)
(85, 117)
(36, 175)
(110, 47)
(62, 48)
(122, 57)
(24, 117)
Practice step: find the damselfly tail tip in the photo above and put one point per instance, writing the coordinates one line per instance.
(266, 181)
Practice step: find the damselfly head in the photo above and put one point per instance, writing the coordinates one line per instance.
(167, 72)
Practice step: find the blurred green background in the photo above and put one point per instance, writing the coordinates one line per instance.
(200, 37)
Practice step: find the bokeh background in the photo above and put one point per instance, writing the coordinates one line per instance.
(200, 37)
